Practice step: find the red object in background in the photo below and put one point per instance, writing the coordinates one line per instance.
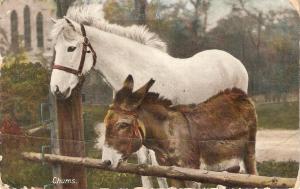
(10, 126)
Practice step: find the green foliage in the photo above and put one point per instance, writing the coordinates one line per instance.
(278, 115)
(18, 172)
(24, 87)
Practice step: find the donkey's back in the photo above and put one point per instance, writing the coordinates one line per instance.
(225, 128)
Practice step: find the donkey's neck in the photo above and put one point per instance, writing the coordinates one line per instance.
(169, 139)
(156, 137)
(118, 56)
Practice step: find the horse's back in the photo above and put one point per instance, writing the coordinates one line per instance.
(228, 66)
(207, 73)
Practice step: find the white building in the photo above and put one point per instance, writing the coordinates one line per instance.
(26, 23)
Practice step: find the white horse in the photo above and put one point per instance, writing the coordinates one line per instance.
(136, 51)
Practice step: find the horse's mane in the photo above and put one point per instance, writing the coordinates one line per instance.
(92, 15)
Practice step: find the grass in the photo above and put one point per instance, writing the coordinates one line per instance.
(278, 115)
(280, 169)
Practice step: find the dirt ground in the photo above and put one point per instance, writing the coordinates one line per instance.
(278, 145)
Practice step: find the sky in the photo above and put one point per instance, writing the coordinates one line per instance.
(220, 8)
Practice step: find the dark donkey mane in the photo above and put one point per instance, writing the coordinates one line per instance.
(156, 99)
(232, 94)
(159, 106)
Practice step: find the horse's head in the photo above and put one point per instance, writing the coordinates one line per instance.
(74, 56)
(124, 132)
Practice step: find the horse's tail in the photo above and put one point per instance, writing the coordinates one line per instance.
(249, 158)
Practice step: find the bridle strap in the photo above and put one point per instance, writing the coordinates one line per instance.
(140, 126)
(84, 48)
(86, 43)
(122, 111)
(66, 69)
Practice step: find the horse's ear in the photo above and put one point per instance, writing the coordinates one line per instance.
(125, 91)
(138, 96)
(53, 20)
(71, 24)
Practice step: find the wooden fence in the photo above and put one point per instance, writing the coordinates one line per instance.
(203, 176)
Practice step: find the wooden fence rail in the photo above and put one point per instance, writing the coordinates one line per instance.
(226, 179)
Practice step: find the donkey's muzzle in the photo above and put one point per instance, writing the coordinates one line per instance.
(107, 163)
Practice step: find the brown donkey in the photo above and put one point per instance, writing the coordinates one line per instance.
(217, 135)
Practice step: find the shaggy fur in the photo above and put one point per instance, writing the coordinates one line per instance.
(218, 134)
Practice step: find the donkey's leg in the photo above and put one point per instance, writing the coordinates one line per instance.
(162, 182)
(192, 184)
(249, 159)
(144, 158)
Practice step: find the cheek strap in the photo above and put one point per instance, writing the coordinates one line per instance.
(141, 128)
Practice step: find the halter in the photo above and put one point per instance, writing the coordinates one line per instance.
(140, 125)
(86, 43)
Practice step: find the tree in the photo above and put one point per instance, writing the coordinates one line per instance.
(140, 11)
(62, 7)
(24, 87)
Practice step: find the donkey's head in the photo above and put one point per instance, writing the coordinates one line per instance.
(74, 56)
(124, 132)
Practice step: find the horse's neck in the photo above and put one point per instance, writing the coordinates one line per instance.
(117, 57)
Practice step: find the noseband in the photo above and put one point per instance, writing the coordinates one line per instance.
(86, 43)
(140, 127)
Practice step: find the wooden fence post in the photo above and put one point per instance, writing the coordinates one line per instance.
(71, 138)
(56, 171)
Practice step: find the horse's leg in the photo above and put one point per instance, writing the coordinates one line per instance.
(162, 182)
(144, 158)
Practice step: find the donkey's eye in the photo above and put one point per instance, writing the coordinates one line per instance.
(71, 49)
(123, 125)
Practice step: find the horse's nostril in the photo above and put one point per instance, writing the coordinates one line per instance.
(56, 89)
(107, 163)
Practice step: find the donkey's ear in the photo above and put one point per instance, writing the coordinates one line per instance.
(125, 91)
(128, 83)
(138, 96)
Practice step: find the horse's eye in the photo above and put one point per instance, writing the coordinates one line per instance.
(71, 49)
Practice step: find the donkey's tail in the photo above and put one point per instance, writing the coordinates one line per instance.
(249, 159)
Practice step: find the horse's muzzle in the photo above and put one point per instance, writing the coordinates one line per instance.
(60, 95)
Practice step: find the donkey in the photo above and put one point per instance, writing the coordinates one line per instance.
(218, 134)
